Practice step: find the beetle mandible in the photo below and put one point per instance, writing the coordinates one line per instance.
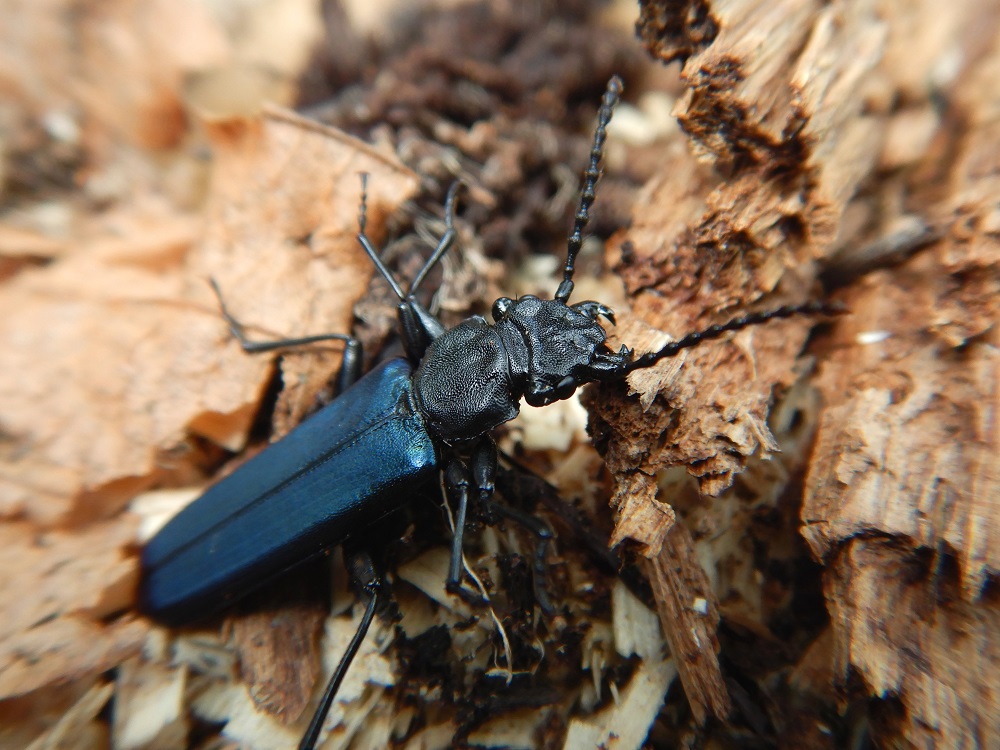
(404, 422)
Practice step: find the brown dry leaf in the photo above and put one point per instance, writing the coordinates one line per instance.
(77, 372)
(281, 237)
(129, 363)
(114, 354)
(116, 62)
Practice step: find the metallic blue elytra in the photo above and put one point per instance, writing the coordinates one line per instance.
(342, 469)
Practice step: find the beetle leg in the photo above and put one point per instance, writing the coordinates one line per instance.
(484, 467)
(350, 368)
(446, 241)
(543, 535)
(457, 480)
(365, 577)
(419, 326)
(484, 471)
(367, 243)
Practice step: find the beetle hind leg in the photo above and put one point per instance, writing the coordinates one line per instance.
(543, 538)
(457, 486)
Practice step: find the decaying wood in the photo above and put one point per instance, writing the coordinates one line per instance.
(57, 588)
(780, 118)
(278, 645)
(685, 600)
(902, 624)
(774, 95)
(901, 501)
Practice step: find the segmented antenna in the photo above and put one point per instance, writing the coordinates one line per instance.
(736, 324)
(590, 177)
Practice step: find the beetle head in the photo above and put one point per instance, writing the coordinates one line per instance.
(553, 347)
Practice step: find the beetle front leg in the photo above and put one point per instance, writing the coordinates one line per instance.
(459, 480)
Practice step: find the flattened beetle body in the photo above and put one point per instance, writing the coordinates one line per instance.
(472, 378)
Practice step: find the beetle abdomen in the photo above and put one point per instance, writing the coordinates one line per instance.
(340, 470)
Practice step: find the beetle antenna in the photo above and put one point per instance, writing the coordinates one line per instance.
(611, 97)
(367, 243)
(736, 324)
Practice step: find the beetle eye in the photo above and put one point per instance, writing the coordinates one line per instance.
(500, 308)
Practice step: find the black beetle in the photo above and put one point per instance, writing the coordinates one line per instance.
(401, 424)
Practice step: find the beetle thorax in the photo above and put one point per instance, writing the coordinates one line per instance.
(463, 384)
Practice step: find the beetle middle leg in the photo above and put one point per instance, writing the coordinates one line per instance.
(479, 476)
(350, 368)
